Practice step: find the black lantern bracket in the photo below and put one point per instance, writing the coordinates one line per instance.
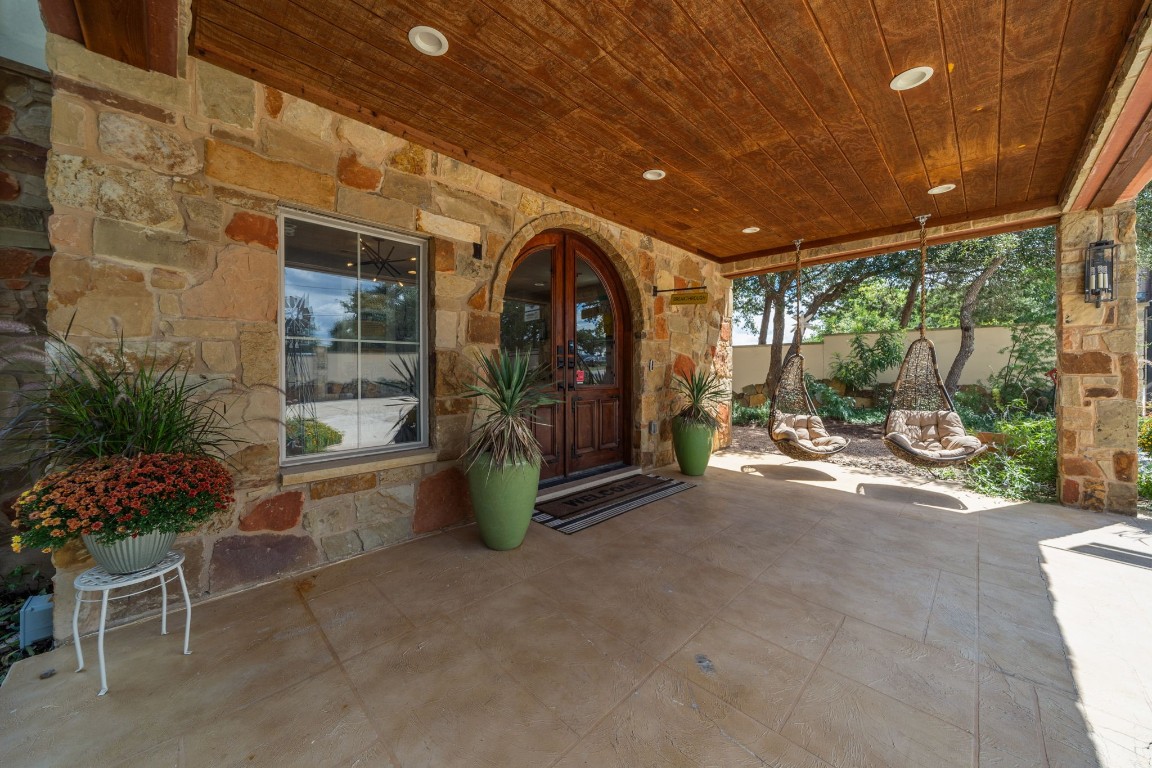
(1099, 262)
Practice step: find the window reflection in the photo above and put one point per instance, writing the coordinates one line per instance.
(595, 330)
(352, 340)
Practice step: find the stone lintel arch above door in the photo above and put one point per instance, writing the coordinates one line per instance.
(564, 304)
(625, 260)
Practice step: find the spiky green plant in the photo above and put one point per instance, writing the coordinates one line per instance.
(509, 390)
(89, 407)
(704, 392)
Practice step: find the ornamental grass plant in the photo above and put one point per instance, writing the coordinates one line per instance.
(116, 497)
(96, 406)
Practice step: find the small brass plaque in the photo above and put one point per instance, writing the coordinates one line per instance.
(694, 297)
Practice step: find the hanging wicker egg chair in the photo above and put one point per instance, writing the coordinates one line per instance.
(794, 426)
(923, 427)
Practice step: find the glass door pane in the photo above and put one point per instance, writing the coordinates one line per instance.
(595, 329)
(526, 323)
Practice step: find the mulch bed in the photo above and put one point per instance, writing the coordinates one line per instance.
(866, 452)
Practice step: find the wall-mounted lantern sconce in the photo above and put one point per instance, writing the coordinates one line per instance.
(1098, 271)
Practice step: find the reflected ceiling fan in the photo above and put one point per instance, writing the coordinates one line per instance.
(384, 263)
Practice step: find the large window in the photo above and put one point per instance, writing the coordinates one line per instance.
(355, 379)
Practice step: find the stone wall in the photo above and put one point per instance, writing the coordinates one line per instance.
(1099, 378)
(25, 254)
(165, 192)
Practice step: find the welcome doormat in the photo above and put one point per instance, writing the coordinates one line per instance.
(586, 508)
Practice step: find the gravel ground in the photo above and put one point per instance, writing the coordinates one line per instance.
(866, 451)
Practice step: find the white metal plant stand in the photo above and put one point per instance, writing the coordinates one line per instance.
(99, 580)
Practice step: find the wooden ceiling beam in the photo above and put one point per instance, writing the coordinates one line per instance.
(143, 33)
(60, 18)
(943, 230)
(1122, 112)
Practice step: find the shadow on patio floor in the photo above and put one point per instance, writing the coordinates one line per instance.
(904, 495)
(794, 472)
(748, 621)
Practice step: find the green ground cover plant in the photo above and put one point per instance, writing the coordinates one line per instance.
(1025, 468)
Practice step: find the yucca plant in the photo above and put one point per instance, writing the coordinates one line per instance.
(509, 390)
(704, 392)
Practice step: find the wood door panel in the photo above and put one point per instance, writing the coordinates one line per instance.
(610, 423)
(550, 438)
(584, 427)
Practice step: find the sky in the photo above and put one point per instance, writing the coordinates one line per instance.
(741, 336)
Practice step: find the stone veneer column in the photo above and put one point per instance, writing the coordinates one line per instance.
(1097, 402)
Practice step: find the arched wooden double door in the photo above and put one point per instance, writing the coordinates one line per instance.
(565, 306)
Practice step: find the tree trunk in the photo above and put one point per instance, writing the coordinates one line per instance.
(968, 321)
(910, 302)
(776, 361)
(766, 315)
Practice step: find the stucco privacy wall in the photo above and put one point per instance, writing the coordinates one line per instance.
(750, 362)
(164, 193)
(1099, 368)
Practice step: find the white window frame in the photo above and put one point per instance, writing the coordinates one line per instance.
(425, 405)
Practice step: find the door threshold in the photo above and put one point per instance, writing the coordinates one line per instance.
(591, 479)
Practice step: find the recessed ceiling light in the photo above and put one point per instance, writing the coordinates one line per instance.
(750, 230)
(538, 285)
(411, 271)
(654, 174)
(428, 40)
(941, 189)
(910, 79)
(412, 259)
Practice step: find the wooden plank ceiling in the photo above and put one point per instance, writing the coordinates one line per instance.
(768, 113)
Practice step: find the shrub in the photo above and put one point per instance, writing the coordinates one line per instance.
(867, 361)
(1144, 477)
(745, 416)
(1144, 436)
(1031, 354)
(867, 416)
(310, 435)
(829, 403)
(1026, 467)
(977, 421)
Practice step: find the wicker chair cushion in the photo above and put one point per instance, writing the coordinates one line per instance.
(806, 431)
(937, 434)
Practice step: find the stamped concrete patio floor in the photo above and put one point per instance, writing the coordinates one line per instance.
(779, 614)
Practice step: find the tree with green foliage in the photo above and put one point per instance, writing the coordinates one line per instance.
(766, 303)
(1006, 279)
(1144, 227)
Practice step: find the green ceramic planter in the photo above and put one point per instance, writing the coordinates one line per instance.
(503, 500)
(693, 446)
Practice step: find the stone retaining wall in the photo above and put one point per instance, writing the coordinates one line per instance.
(165, 192)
